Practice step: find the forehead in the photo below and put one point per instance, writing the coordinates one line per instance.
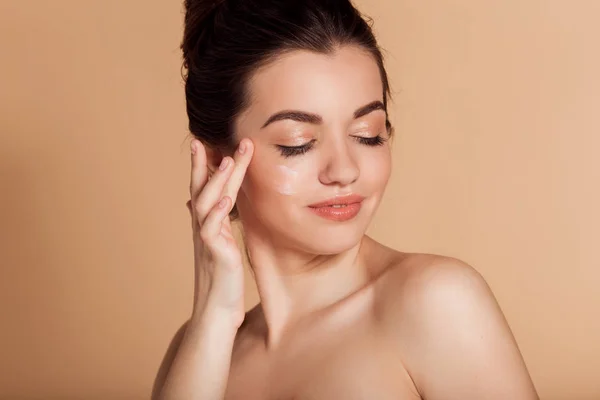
(332, 85)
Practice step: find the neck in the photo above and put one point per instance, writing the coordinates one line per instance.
(294, 285)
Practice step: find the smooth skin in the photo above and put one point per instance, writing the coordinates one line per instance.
(340, 314)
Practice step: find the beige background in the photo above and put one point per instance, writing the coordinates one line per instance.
(497, 116)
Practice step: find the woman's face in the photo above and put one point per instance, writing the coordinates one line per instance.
(341, 154)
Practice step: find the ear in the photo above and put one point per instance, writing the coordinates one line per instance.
(213, 159)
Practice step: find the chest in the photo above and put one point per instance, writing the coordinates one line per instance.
(350, 365)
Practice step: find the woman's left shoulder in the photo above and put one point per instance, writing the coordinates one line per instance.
(447, 326)
(426, 282)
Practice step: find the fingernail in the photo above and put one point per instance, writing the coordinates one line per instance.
(223, 202)
(224, 164)
(194, 148)
(242, 148)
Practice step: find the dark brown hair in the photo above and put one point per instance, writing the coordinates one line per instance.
(226, 41)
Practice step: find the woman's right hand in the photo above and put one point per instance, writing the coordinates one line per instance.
(219, 272)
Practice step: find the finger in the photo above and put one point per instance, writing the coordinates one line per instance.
(199, 169)
(242, 161)
(211, 228)
(211, 192)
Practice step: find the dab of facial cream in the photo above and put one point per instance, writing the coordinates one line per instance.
(286, 179)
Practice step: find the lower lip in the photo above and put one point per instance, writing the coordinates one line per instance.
(337, 213)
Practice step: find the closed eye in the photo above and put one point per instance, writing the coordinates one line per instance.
(371, 141)
(289, 151)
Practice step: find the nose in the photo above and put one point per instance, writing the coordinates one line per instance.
(340, 166)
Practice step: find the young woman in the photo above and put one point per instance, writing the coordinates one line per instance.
(287, 101)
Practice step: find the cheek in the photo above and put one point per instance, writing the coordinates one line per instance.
(377, 170)
(273, 180)
(285, 180)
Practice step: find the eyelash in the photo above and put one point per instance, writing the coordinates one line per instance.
(288, 151)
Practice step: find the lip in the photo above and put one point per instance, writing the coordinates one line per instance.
(338, 214)
(341, 200)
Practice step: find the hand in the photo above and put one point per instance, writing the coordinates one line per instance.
(219, 272)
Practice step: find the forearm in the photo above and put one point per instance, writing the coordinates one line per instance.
(201, 366)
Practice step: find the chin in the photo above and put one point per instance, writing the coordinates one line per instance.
(318, 235)
(335, 245)
(300, 228)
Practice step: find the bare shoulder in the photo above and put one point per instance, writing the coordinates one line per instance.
(428, 278)
(449, 330)
(167, 360)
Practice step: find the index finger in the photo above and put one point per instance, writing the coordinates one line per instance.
(241, 162)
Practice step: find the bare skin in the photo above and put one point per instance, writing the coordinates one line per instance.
(341, 315)
(424, 327)
(339, 352)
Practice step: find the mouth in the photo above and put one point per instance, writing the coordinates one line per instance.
(339, 202)
(340, 208)
(337, 212)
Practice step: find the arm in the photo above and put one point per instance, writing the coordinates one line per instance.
(455, 339)
(196, 366)
(197, 362)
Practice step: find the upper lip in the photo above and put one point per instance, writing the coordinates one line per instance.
(345, 199)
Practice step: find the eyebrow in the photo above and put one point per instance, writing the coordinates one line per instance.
(302, 116)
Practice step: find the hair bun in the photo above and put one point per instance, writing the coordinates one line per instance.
(198, 21)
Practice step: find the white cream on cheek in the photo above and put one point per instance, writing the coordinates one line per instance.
(286, 180)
